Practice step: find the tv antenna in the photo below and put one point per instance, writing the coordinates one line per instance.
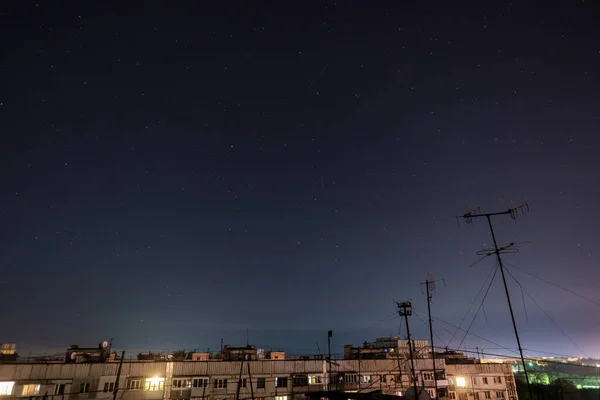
(515, 212)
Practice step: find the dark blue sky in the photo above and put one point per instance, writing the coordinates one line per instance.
(176, 173)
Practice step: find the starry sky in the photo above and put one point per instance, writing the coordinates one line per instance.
(174, 173)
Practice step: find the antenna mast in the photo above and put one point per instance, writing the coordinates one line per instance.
(430, 285)
(405, 309)
(514, 212)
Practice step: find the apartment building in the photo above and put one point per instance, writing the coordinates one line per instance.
(481, 382)
(208, 380)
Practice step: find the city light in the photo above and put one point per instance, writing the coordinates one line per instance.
(460, 381)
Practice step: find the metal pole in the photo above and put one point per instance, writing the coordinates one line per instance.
(412, 361)
(512, 315)
(116, 389)
(431, 337)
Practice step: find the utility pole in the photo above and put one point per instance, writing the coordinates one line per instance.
(116, 389)
(430, 285)
(329, 335)
(239, 383)
(250, 379)
(405, 309)
(514, 212)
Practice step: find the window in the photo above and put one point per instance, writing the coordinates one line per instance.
(487, 394)
(200, 382)
(461, 382)
(452, 395)
(31, 390)
(84, 387)
(499, 395)
(300, 380)
(315, 380)
(280, 397)
(243, 382)
(474, 380)
(220, 384)
(450, 380)
(109, 387)
(427, 376)
(134, 384)
(6, 388)
(497, 379)
(366, 379)
(350, 378)
(260, 383)
(281, 382)
(181, 383)
(59, 388)
(154, 384)
(485, 380)
(382, 378)
(462, 396)
(431, 392)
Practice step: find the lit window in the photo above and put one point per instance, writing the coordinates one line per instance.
(314, 380)
(6, 388)
(366, 379)
(280, 397)
(31, 390)
(461, 382)
(154, 384)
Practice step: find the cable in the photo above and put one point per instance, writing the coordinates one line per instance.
(480, 305)
(554, 284)
(470, 333)
(472, 304)
(547, 315)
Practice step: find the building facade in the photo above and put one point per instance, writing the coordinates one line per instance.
(218, 380)
(481, 382)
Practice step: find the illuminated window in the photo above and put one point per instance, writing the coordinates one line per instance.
(109, 387)
(315, 380)
(6, 388)
(366, 379)
(461, 382)
(280, 397)
(154, 384)
(84, 387)
(31, 390)
(200, 382)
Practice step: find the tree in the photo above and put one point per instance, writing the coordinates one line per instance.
(563, 385)
(179, 354)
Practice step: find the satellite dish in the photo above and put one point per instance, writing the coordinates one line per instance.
(73, 356)
(104, 344)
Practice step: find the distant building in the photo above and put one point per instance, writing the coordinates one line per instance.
(76, 354)
(276, 355)
(388, 347)
(481, 381)
(8, 348)
(203, 356)
(247, 353)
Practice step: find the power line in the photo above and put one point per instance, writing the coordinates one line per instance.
(492, 271)
(480, 305)
(547, 315)
(554, 284)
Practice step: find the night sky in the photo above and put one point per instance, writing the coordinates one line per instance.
(174, 173)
